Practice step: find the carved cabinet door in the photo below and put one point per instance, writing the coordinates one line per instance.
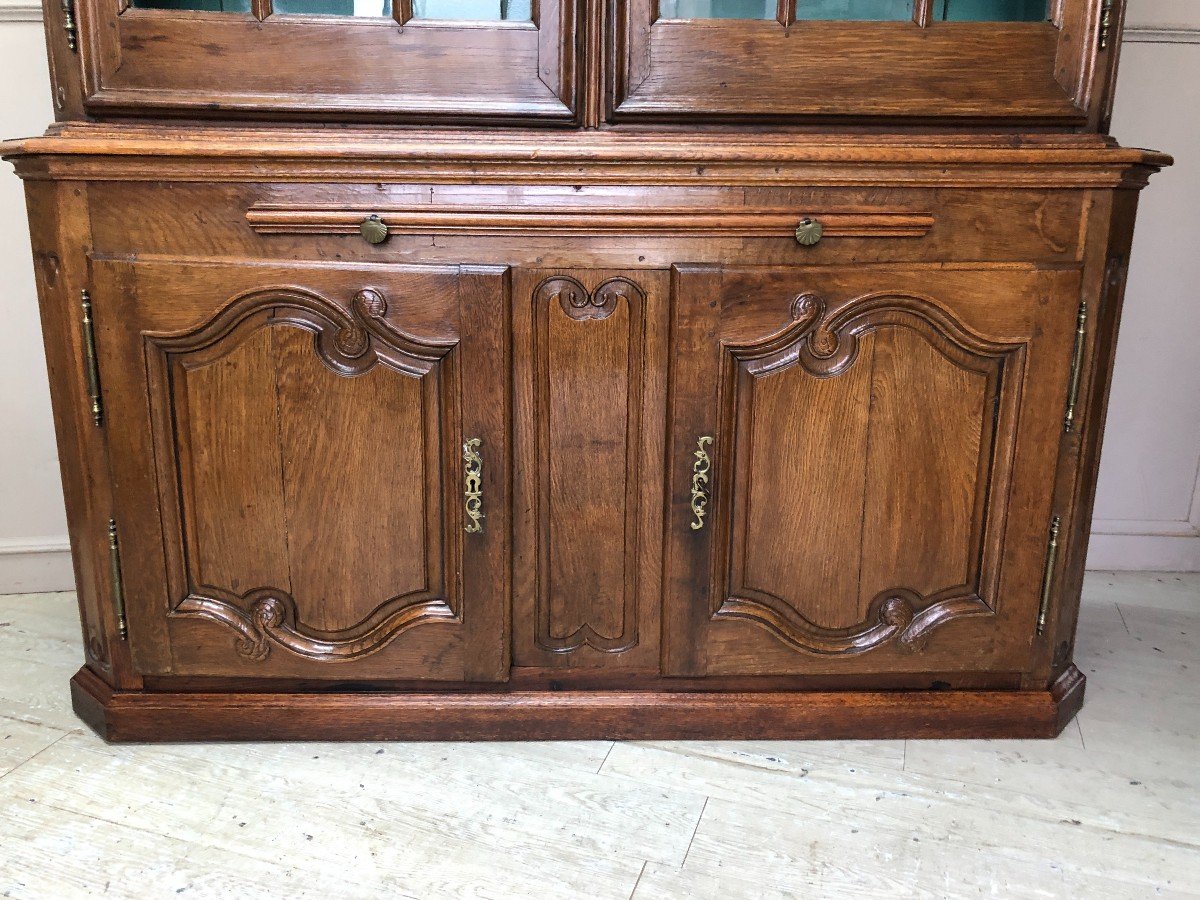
(310, 464)
(861, 465)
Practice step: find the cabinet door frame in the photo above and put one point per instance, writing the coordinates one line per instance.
(271, 66)
(178, 627)
(712, 625)
(781, 71)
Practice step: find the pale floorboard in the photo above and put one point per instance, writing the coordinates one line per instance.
(1110, 809)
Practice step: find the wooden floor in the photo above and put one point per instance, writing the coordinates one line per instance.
(1111, 809)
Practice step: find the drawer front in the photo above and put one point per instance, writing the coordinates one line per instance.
(602, 226)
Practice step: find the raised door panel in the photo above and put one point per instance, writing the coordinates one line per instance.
(858, 466)
(589, 357)
(346, 60)
(307, 461)
(993, 60)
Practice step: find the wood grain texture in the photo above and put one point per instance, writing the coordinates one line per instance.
(591, 221)
(284, 535)
(833, 529)
(158, 153)
(710, 69)
(124, 717)
(198, 63)
(585, 385)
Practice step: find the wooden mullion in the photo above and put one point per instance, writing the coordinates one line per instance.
(402, 10)
(785, 12)
(923, 12)
(260, 9)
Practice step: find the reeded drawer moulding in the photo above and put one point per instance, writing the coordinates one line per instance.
(428, 219)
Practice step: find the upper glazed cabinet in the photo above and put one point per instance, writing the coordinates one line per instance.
(414, 60)
(1010, 61)
(984, 62)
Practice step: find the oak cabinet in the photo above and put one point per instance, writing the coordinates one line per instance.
(495, 369)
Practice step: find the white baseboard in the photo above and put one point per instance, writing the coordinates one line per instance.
(35, 566)
(1135, 546)
(20, 12)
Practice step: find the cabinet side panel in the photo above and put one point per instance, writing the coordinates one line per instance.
(1107, 267)
(60, 234)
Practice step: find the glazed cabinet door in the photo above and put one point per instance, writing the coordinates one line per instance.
(860, 466)
(349, 60)
(309, 465)
(1009, 61)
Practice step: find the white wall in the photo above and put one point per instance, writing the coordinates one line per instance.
(1148, 502)
(33, 542)
(1148, 509)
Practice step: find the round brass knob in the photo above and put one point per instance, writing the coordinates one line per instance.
(374, 230)
(809, 231)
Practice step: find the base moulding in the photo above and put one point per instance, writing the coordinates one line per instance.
(129, 716)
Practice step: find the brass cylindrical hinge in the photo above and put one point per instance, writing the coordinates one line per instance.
(1076, 366)
(118, 583)
(69, 27)
(1106, 24)
(1048, 574)
(91, 367)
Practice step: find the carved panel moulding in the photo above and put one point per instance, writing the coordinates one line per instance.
(566, 619)
(348, 343)
(826, 345)
(666, 222)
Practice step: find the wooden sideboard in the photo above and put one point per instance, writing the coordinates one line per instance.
(584, 370)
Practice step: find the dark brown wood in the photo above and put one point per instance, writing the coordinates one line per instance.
(122, 717)
(572, 432)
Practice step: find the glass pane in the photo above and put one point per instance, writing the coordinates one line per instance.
(233, 6)
(477, 10)
(362, 8)
(857, 10)
(717, 9)
(990, 10)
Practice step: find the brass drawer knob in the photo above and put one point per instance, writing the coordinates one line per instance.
(809, 231)
(374, 230)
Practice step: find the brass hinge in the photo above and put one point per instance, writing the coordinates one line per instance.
(1106, 23)
(118, 583)
(90, 366)
(69, 26)
(1076, 366)
(1048, 574)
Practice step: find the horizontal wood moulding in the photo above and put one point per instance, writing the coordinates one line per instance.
(121, 716)
(130, 152)
(425, 219)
